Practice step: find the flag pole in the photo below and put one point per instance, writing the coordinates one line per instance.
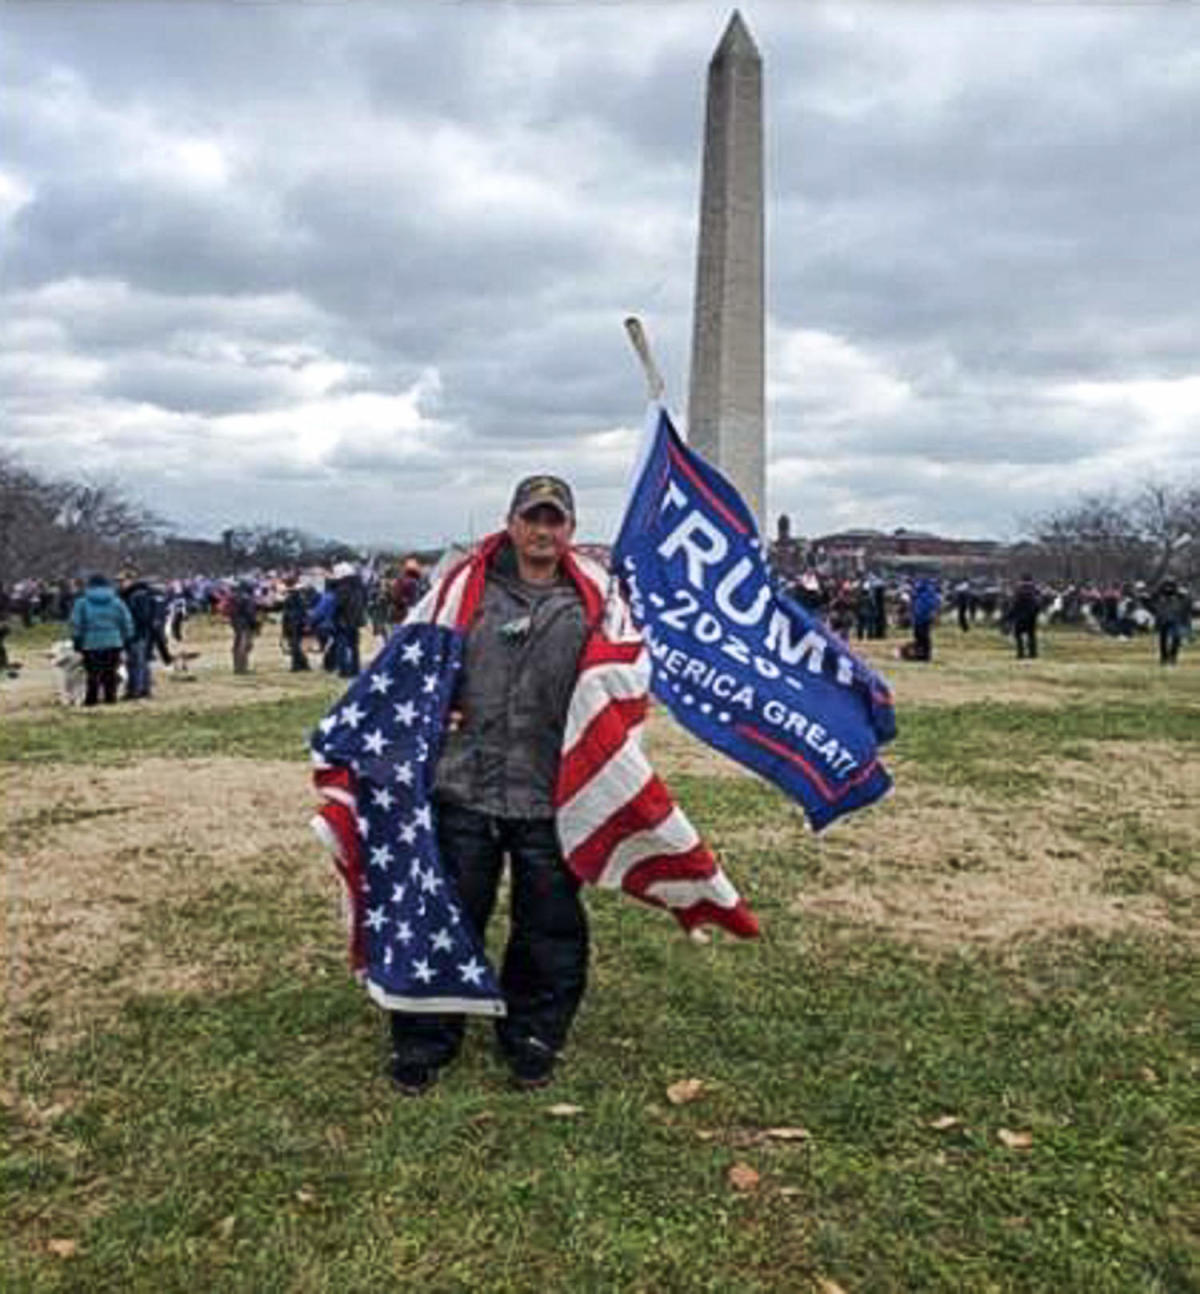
(655, 386)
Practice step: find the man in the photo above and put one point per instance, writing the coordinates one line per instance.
(292, 617)
(349, 616)
(1170, 616)
(138, 597)
(406, 590)
(494, 791)
(244, 621)
(100, 626)
(1023, 615)
(926, 603)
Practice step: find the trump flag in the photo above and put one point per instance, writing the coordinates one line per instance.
(740, 664)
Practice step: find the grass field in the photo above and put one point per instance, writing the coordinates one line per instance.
(965, 1055)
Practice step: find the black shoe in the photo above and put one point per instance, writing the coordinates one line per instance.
(532, 1082)
(412, 1080)
(531, 1071)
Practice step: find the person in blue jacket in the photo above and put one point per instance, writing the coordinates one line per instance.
(926, 603)
(101, 627)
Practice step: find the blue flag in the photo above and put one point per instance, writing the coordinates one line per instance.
(740, 664)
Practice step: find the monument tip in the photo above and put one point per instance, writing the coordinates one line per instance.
(737, 41)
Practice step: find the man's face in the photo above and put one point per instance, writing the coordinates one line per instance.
(541, 534)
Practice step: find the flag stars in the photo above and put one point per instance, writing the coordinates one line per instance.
(471, 972)
(374, 742)
(412, 653)
(442, 942)
(380, 682)
(414, 869)
(406, 713)
(431, 882)
(423, 817)
(422, 970)
(404, 933)
(429, 683)
(328, 724)
(383, 798)
(408, 833)
(352, 716)
(381, 855)
(375, 918)
(404, 773)
(399, 890)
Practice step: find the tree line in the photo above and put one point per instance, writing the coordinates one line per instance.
(51, 527)
(1147, 533)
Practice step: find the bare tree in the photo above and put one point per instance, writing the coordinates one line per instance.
(1145, 535)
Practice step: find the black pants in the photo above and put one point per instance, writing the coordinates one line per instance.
(1026, 639)
(101, 670)
(294, 637)
(922, 640)
(545, 965)
(1169, 637)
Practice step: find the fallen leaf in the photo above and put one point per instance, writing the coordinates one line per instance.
(786, 1134)
(826, 1286)
(564, 1111)
(306, 1195)
(1147, 1075)
(789, 1191)
(62, 1248)
(1015, 1140)
(699, 936)
(946, 1121)
(226, 1225)
(743, 1178)
(685, 1091)
(706, 1134)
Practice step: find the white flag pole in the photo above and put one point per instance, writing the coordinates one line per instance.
(655, 386)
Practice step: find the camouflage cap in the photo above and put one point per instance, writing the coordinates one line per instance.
(534, 490)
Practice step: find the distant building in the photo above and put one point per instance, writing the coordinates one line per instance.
(901, 551)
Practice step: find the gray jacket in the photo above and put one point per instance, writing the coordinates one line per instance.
(522, 655)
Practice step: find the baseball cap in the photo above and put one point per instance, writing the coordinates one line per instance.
(542, 489)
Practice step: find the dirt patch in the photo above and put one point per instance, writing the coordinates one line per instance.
(953, 867)
(93, 852)
(209, 682)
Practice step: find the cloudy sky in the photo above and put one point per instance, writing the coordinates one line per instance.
(355, 267)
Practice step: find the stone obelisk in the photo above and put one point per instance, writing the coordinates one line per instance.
(726, 402)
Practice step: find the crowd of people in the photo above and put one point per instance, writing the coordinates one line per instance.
(329, 611)
(867, 606)
(120, 627)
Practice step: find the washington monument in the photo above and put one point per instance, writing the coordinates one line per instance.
(726, 401)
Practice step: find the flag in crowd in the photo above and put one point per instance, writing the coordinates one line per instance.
(739, 663)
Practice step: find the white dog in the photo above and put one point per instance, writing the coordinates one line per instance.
(72, 677)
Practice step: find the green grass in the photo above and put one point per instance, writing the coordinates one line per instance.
(245, 1139)
(257, 730)
(266, 1106)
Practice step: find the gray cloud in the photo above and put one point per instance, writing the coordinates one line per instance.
(354, 269)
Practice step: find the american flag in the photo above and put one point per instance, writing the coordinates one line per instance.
(375, 753)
